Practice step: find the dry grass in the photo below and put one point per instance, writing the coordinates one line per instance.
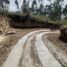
(4, 24)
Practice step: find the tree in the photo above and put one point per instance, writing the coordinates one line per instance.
(24, 7)
(49, 8)
(65, 10)
(55, 10)
(3, 19)
(28, 2)
(41, 9)
(34, 6)
(17, 4)
(4, 5)
(40, 1)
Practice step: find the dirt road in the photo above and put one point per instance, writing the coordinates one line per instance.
(31, 51)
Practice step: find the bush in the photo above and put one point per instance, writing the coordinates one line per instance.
(32, 21)
(63, 33)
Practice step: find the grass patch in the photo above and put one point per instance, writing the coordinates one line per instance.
(41, 18)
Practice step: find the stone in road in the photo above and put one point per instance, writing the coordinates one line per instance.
(44, 55)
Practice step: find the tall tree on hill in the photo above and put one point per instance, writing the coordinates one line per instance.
(65, 10)
(3, 20)
(17, 4)
(55, 10)
(34, 5)
(4, 5)
(40, 1)
(28, 2)
(24, 7)
(41, 8)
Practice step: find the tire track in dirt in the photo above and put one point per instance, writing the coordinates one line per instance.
(30, 51)
(34, 55)
(45, 56)
(17, 51)
(27, 60)
(57, 53)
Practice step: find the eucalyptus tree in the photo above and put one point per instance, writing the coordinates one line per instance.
(17, 4)
(65, 10)
(34, 6)
(28, 2)
(24, 7)
(58, 8)
(4, 5)
(41, 8)
(40, 1)
(55, 10)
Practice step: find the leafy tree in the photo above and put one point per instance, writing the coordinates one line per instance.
(65, 10)
(41, 8)
(49, 8)
(55, 10)
(28, 2)
(24, 7)
(17, 4)
(34, 6)
(40, 1)
(3, 20)
(4, 5)
(6, 1)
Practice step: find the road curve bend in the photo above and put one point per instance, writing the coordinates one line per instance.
(16, 53)
(20, 56)
(44, 54)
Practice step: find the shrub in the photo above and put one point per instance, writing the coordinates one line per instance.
(63, 34)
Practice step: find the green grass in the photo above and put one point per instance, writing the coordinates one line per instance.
(44, 19)
(41, 17)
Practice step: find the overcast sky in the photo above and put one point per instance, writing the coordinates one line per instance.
(13, 7)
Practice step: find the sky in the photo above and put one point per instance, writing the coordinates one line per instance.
(13, 7)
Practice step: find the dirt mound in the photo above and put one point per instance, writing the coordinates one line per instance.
(63, 34)
(4, 24)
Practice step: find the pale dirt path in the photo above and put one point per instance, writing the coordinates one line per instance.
(16, 53)
(58, 53)
(45, 56)
(20, 56)
(26, 60)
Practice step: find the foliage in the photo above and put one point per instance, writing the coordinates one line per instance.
(41, 9)
(17, 4)
(34, 6)
(65, 10)
(24, 7)
(63, 34)
(55, 10)
(4, 5)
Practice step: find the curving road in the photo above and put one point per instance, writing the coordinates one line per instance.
(31, 51)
